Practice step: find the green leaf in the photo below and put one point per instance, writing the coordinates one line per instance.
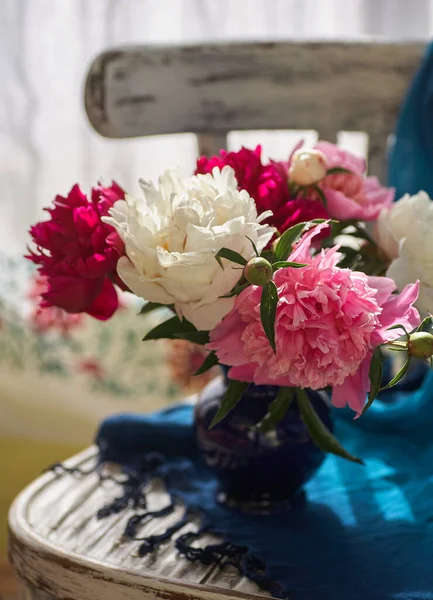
(230, 255)
(150, 306)
(268, 254)
(196, 337)
(321, 434)
(280, 264)
(277, 409)
(210, 361)
(268, 311)
(253, 245)
(398, 326)
(363, 234)
(290, 236)
(336, 170)
(398, 377)
(351, 256)
(426, 325)
(170, 329)
(321, 194)
(375, 375)
(233, 395)
(236, 290)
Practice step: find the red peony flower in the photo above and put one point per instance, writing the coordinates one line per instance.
(298, 211)
(49, 318)
(78, 253)
(267, 184)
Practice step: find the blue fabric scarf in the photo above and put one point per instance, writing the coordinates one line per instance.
(364, 533)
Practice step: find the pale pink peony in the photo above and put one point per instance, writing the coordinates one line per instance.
(329, 320)
(352, 196)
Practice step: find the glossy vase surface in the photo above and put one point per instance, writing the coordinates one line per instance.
(257, 471)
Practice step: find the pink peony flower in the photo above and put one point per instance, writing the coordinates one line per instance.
(267, 184)
(352, 196)
(329, 320)
(78, 253)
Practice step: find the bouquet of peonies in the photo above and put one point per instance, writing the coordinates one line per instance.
(270, 267)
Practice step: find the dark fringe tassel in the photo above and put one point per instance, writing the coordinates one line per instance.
(133, 482)
(153, 541)
(136, 520)
(226, 553)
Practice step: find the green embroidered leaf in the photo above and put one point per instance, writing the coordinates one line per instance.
(233, 395)
(336, 170)
(170, 329)
(230, 255)
(290, 236)
(268, 311)
(210, 361)
(321, 434)
(280, 264)
(277, 409)
(375, 375)
(399, 376)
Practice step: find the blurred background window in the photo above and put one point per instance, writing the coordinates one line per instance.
(46, 142)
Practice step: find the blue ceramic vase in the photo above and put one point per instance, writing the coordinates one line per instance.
(258, 472)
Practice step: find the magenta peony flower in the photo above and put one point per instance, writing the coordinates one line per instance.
(77, 253)
(352, 196)
(267, 184)
(329, 320)
(297, 211)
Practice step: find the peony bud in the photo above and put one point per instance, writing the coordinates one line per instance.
(258, 271)
(420, 344)
(307, 167)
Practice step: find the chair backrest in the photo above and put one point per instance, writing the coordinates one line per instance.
(214, 89)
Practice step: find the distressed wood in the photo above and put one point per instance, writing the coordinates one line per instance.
(8, 581)
(214, 89)
(28, 592)
(211, 143)
(59, 548)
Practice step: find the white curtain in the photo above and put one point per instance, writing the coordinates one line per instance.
(46, 143)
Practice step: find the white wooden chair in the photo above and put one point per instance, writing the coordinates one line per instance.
(212, 90)
(57, 546)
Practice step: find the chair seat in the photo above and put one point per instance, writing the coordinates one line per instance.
(60, 549)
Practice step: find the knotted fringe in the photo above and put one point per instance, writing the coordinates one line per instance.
(133, 483)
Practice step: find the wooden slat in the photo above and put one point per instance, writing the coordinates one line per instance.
(58, 546)
(8, 581)
(329, 87)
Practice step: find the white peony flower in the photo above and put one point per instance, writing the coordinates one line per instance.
(173, 233)
(404, 233)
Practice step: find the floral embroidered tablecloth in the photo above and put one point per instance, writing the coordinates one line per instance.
(61, 374)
